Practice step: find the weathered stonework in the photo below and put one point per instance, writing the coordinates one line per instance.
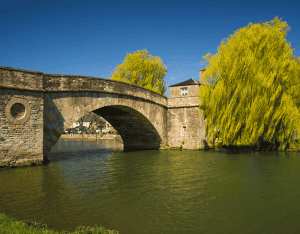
(186, 127)
(24, 134)
(36, 108)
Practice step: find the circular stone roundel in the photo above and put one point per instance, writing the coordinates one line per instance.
(17, 110)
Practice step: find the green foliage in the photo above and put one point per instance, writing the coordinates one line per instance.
(113, 130)
(35, 224)
(142, 69)
(297, 141)
(176, 148)
(166, 145)
(12, 225)
(251, 91)
(24, 153)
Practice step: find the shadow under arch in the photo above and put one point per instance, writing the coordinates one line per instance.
(137, 132)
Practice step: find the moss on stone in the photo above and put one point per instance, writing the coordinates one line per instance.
(176, 148)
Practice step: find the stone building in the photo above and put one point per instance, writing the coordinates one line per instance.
(186, 126)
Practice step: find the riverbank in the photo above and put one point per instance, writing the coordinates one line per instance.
(91, 137)
(293, 146)
(11, 226)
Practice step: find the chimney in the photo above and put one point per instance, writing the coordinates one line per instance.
(202, 71)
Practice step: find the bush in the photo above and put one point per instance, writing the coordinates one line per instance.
(35, 224)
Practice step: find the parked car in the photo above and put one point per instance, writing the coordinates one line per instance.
(66, 132)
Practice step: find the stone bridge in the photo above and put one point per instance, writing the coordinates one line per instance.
(35, 109)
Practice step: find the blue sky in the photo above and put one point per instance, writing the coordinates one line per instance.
(91, 38)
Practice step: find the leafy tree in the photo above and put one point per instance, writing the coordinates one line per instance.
(251, 91)
(142, 69)
(113, 130)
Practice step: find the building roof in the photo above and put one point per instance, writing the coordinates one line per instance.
(187, 82)
(87, 119)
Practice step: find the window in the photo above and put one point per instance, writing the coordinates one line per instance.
(184, 91)
(184, 129)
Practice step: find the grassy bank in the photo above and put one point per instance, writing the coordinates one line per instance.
(12, 226)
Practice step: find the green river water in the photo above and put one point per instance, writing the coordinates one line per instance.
(164, 191)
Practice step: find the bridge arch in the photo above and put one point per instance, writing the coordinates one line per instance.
(136, 130)
(141, 122)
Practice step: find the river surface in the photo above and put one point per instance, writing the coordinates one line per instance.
(95, 183)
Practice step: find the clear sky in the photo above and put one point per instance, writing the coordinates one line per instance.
(91, 38)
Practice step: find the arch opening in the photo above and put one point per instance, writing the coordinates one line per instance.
(137, 132)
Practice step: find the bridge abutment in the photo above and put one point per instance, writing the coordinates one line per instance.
(21, 133)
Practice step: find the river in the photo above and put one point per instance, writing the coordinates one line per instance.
(163, 191)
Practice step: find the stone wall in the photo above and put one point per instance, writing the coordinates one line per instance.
(21, 137)
(195, 128)
(73, 83)
(21, 79)
(140, 119)
(21, 116)
(175, 91)
(184, 111)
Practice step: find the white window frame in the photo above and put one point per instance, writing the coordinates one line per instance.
(184, 91)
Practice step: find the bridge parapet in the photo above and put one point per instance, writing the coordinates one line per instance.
(56, 82)
(21, 79)
(43, 82)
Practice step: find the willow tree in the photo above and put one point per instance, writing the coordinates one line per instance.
(251, 91)
(142, 69)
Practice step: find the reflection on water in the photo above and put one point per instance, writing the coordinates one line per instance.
(89, 183)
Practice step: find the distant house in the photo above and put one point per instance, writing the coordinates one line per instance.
(87, 122)
(76, 124)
